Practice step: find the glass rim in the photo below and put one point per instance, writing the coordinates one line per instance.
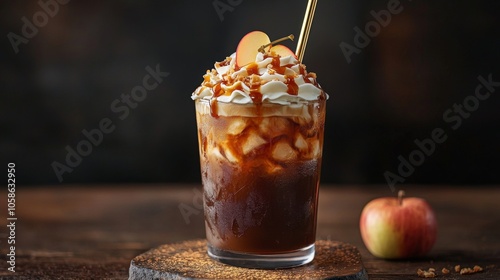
(292, 103)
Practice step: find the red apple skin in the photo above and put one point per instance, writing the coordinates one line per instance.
(393, 231)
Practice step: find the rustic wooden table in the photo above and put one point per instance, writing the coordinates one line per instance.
(92, 232)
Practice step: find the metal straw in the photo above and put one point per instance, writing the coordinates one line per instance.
(306, 27)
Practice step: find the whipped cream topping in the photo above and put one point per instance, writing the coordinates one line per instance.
(270, 79)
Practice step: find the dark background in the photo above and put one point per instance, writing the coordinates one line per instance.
(64, 79)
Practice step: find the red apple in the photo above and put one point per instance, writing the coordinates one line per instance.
(394, 228)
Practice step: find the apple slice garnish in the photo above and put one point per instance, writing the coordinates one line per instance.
(258, 41)
(282, 51)
(249, 47)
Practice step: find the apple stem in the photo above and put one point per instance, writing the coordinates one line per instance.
(401, 193)
(291, 37)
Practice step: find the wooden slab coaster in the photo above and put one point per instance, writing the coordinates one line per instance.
(189, 260)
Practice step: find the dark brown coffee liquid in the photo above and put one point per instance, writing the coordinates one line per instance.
(262, 213)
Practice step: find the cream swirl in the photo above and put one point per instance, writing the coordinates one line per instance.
(271, 78)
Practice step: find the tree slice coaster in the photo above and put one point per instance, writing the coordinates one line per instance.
(189, 260)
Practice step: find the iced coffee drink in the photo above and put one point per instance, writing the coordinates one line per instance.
(260, 132)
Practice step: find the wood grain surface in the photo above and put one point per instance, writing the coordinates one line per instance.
(93, 232)
(189, 260)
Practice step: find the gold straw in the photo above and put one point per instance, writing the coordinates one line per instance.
(306, 27)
